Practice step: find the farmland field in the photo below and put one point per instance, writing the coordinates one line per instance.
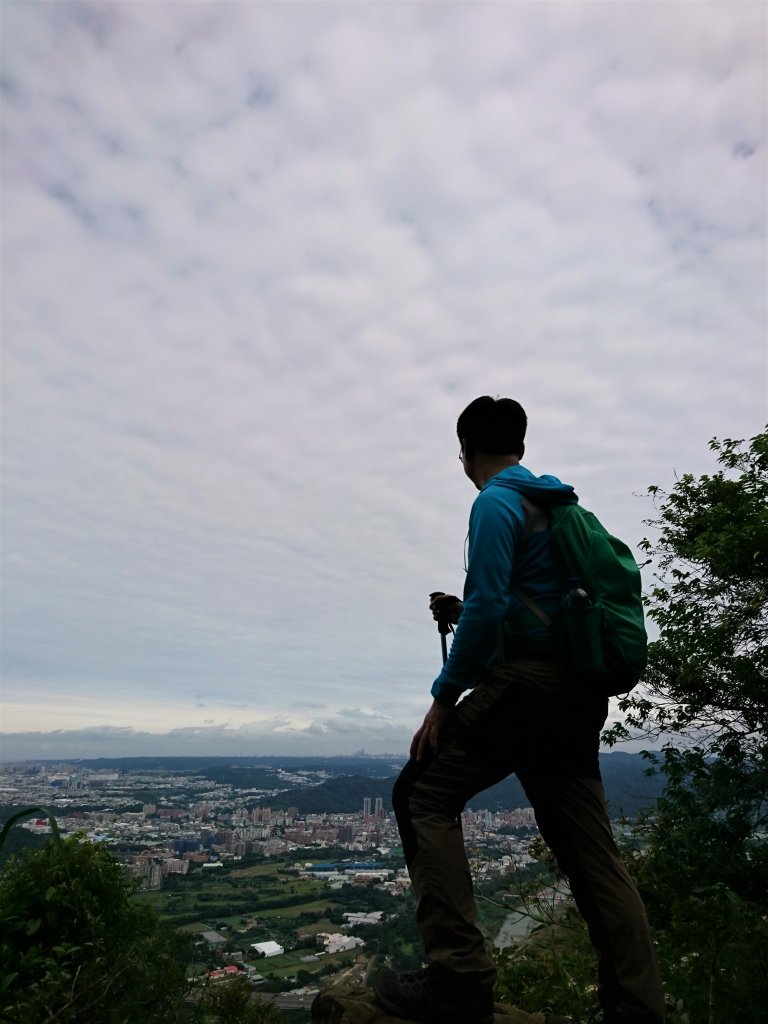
(250, 904)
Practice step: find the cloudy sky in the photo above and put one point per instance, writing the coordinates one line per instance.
(256, 258)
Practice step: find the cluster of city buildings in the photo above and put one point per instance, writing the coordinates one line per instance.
(191, 819)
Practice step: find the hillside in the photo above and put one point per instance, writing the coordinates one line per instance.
(627, 786)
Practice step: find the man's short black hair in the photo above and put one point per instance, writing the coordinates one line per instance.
(493, 425)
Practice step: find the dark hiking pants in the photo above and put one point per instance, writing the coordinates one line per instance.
(524, 718)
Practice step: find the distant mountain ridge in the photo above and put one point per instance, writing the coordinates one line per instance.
(628, 790)
(628, 787)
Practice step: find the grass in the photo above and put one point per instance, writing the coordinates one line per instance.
(235, 901)
(217, 898)
(316, 907)
(258, 870)
(323, 924)
(290, 963)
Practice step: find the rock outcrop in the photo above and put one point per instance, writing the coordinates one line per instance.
(343, 1005)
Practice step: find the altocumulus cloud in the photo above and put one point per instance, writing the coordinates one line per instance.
(256, 259)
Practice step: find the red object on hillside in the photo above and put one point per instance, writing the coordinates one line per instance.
(225, 972)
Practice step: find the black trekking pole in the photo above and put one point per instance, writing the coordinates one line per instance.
(443, 627)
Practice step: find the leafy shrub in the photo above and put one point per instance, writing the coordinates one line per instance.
(75, 948)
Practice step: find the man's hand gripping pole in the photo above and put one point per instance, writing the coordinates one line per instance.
(444, 627)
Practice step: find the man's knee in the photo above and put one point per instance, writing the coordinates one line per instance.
(403, 806)
(410, 797)
(417, 804)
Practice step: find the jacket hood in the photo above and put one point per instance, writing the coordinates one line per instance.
(546, 489)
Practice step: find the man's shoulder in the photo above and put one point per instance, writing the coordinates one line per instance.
(507, 487)
(546, 489)
(499, 499)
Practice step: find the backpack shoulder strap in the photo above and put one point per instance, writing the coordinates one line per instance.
(537, 519)
(531, 605)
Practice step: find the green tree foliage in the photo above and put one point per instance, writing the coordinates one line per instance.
(704, 871)
(552, 970)
(707, 672)
(75, 947)
(17, 840)
(232, 1002)
(396, 936)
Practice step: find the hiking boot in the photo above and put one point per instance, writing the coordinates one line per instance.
(435, 995)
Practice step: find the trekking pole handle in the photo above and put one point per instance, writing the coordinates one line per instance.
(443, 628)
(443, 625)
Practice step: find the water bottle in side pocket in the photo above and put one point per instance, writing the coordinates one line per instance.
(583, 629)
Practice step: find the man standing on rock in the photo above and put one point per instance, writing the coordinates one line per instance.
(524, 714)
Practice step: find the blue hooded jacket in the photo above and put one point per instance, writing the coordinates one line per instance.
(503, 554)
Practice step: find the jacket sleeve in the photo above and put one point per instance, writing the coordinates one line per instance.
(495, 526)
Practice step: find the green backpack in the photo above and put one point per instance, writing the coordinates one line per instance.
(604, 641)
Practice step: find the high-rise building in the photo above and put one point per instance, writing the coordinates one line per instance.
(379, 810)
(366, 807)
